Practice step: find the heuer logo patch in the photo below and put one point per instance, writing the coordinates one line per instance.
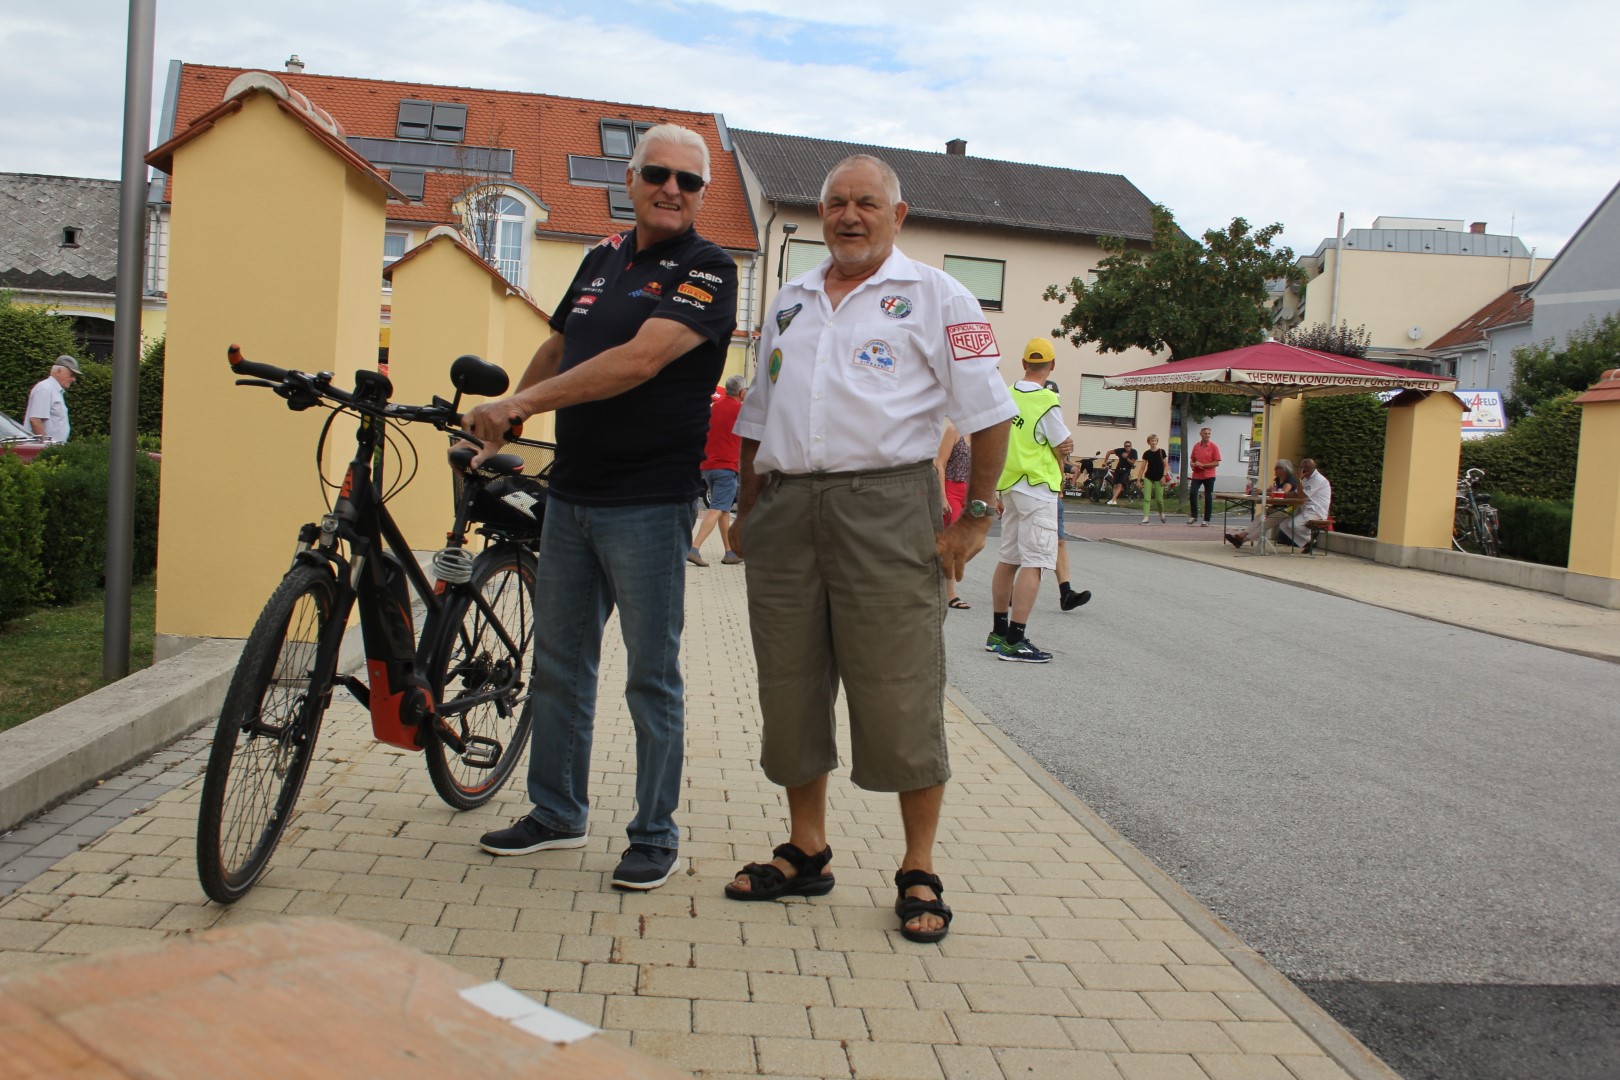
(971, 340)
(895, 307)
(686, 288)
(875, 354)
(785, 316)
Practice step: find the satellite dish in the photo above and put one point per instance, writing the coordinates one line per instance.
(1415, 333)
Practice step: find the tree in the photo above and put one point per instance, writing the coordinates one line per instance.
(1330, 339)
(1542, 373)
(1190, 297)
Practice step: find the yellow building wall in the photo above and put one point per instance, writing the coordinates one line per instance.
(1390, 292)
(1422, 446)
(1594, 545)
(269, 250)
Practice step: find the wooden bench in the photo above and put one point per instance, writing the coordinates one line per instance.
(1318, 526)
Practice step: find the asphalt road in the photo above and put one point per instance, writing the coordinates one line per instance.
(1418, 824)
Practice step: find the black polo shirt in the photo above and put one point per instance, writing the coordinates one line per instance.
(644, 445)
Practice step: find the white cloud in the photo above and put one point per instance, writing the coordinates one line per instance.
(1498, 112)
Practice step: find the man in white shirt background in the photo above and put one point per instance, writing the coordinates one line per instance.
(1318, 501)
(47, 412)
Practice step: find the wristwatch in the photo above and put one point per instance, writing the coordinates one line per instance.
(977, 508)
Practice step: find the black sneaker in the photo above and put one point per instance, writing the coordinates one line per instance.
(646, 867)
(1022, 651)
(526, 835)
(1074, 599)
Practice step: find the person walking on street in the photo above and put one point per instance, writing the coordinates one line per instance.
(1205, 459)
(1031, 481)
(641, 339)
(838, 525)
(1153, 480)
(720, 473)
(47, 412)
(1124, 459)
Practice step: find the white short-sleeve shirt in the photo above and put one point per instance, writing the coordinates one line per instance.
(869, 385)
(47, 402)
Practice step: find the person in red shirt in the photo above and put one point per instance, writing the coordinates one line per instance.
(1205, 458)
(720, 472)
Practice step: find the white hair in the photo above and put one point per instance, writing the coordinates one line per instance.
(891, 182)
(674, 135)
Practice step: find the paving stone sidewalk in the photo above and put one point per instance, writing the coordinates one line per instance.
(1064, 960)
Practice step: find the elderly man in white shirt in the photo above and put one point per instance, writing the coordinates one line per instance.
(839, 524)
(1318, 500)
(47, 412)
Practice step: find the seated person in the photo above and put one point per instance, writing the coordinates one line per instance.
(1285, 492)
(1318, 502)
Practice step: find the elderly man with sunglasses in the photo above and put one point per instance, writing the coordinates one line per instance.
(838, 524)
(641, 339)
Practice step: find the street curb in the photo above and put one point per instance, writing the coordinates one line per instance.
(54, 756)
(1608, 658)
(1337, 1042)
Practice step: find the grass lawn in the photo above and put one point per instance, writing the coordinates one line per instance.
(51, 656)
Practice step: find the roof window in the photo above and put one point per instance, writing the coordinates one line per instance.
(440, 121)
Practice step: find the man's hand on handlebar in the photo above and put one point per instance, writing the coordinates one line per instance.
(493, 423)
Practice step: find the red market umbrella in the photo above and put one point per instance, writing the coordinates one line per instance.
(1272, 370)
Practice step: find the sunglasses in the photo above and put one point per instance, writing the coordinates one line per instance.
(658, 176)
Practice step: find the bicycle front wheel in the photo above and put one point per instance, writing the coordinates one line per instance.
(479, 671)
(266, 735)
(1467, 530)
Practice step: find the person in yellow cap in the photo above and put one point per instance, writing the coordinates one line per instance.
(1031, 484)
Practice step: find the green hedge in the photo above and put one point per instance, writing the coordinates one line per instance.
(53, 524)
(1535, 530)
(1535, 458)
(1345, 435)
(22, 534)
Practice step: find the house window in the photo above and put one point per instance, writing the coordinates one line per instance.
(618, 138)
(70, 236)
(394, 245)
(983, 278)
(508, 234)
(619, 205)
(440, 121)
(411, 182)
(1116, 408)
(803, 255)
(595, 170)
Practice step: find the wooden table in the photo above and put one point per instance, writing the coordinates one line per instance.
(1253, 501)
(280, 999)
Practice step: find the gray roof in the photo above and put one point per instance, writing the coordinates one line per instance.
(958, 187)
(1429, 241)
(33, 212)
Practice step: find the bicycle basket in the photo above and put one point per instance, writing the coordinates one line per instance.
(512, 505)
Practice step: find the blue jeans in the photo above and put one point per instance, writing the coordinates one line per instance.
(591, 559)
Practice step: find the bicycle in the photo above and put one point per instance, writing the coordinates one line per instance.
(1474, 527)
(458, 692)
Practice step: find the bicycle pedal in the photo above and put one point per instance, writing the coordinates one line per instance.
(480, 753)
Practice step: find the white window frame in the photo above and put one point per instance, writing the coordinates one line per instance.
(404, 239)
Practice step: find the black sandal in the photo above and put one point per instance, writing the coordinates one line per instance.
(959, 604)
(767, 882)
(909, 907)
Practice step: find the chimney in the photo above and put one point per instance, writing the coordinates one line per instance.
(295, 66)
(1477, 228)
(956, 148)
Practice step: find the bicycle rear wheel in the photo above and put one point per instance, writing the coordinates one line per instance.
(266, 735)
(479, 671)
(1467, 530)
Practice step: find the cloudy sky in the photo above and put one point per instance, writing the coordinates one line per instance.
(1489, 110)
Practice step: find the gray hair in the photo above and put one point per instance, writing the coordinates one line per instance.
(891, 182)
(1283, 463)
(673, 135)
(734, 386)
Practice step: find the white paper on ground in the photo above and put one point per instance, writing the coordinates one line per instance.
(522, 1011)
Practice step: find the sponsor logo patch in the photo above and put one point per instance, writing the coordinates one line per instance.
(785, 316)
(776, 363)
(895, 307)
(686, 288)
(688, 300)
(579, 311)
(875, 354)
(705, 276)
(611, 241)
(971, 340)
(668, 264)
(599, 282)
(652, 291)
(586, 300)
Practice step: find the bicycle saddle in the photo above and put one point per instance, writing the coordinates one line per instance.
(504, 464)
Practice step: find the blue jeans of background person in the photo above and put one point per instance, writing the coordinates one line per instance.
(1208, 484)
(593, 558)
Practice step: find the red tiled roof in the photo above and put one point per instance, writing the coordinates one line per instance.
(1511, 307)
(540, 129)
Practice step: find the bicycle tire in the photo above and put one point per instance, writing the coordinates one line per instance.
(470, 658)
(1490, 531)
(1466, 531)
(266, 735)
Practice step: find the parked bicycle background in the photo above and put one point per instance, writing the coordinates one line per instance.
(1474, 526)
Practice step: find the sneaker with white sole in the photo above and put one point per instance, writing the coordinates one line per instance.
(1022, 651)
(646, 867)
(992, 641)
(525, 835)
